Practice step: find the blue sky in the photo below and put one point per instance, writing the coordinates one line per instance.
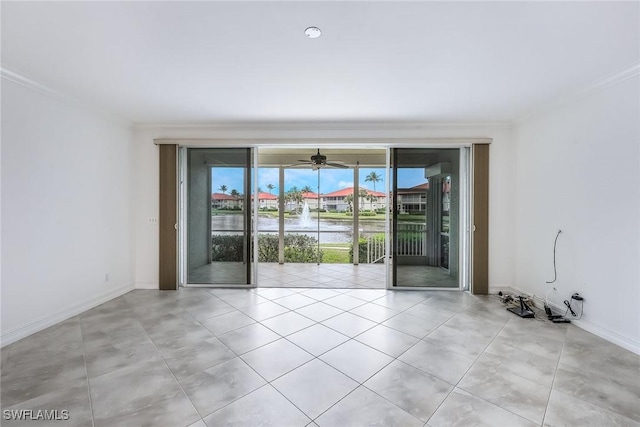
(330, 179)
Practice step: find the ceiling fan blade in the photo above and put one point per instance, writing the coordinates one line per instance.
(337, 165)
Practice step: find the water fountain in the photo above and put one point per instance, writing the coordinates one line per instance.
(305, 217)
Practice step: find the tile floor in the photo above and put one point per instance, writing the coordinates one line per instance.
(319, 357)
(342, 276)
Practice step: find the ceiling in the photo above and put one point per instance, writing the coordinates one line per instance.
(220, 62)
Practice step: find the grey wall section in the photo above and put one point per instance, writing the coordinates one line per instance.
(198, 208)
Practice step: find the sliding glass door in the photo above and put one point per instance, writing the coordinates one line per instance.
(426, 217)
(218, 216)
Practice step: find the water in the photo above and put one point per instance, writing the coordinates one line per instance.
(331, 231)
(305, 217)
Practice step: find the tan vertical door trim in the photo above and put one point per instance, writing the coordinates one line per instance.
(168, 218)
(480, 228)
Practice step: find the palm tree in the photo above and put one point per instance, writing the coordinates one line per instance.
(371, 198)
(235, 193)
(362, 195)
(270, 187)
(373, 177)
(223, 189)
(294, 195)
(348, 199)
(306, 189)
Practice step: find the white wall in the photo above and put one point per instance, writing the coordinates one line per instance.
(66, 209)
(578, 171)
(502, 193)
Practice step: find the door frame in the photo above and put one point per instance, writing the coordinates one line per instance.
(249, 214)
(478, 268)
(465, 216)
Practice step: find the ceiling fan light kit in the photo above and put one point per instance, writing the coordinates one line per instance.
(319, 160)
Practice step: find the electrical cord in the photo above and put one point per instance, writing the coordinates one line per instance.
(570, 309)
(555, 271)
(509, 301)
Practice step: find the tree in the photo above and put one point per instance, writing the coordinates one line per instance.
(306, 189)
(349, 201)
(294, 195)
(362, 196)
(235, 193)
(223, 189)
(270, 187)
(371, 198)
(373, 177)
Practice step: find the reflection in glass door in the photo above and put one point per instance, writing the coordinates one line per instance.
(425, 221)
(218, 241)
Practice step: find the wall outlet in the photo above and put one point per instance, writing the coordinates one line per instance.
(153, 220)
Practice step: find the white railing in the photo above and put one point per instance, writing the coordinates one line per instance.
(375, 249)
(412, 241)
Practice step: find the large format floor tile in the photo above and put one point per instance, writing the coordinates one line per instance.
(462, 409)
(349, 324)
(314, 387)
(600, 390)
(288, 323)
(387, 340)
(317, 339)
(412, 390)
(74, 399)
(146, 383)
(438, 361)
(263, 407)
(365, 408)
(276, 359)
(216, 387)
(565, 410)
(248, 338)
(356, 360)
(201, 357)
(507, 390)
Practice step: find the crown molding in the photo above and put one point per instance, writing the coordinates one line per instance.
(42, 89)
(583, 92)
(318, 126)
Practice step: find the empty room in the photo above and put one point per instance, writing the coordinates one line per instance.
(344, 213)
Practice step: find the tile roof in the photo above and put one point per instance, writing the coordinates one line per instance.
(349, 190)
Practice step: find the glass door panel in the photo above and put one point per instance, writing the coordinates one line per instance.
(372, 215)
(219, 216)
(301, 226)
(425, 218)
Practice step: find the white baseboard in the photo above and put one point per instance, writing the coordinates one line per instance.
(147, 285)
(501, 288)
(31, 328)
(604, 333)
(624, 342)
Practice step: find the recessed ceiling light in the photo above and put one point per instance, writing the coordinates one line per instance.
(313, 32)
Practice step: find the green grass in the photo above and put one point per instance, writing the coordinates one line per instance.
(335, 253)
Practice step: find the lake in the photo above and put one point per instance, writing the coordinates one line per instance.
(331, 231)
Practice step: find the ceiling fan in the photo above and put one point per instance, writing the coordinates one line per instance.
(319, 160)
